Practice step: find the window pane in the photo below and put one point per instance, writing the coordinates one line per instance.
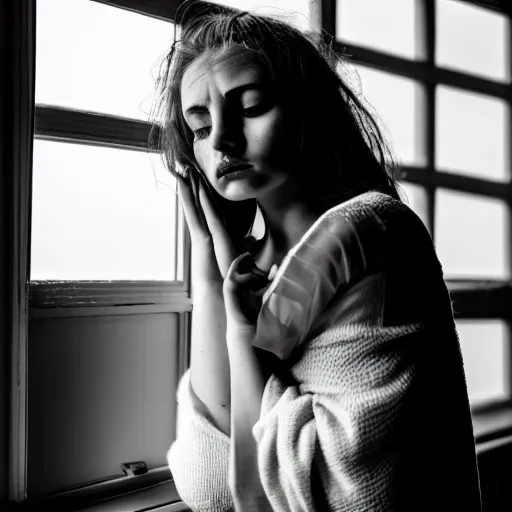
(97, 57)
(395, 101)
(101, 214)
(367, 23)
(471, 134)
(415, 196)
(102, 391)
(484, 346)
(295, 11)
(471, 235)
(472, 39)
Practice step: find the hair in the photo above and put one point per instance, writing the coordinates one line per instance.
(338, 134)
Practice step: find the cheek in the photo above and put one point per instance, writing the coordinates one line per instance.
(277, 140)
(202, 156)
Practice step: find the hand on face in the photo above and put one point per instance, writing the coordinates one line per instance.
(214, 260)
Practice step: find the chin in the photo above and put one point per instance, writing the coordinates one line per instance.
(241, 190)
(239, 196)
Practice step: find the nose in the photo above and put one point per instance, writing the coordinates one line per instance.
(224, 136)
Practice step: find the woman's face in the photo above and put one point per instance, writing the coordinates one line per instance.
(235, 119)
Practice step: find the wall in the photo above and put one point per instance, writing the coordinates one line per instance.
(101, 391)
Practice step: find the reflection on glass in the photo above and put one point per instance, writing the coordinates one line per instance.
(484, 351)
(472, 39)
(415, 196)
(99, 58)
(101, 214)
(384, 26)
(394, 100)
(471, 235)
(471, 134)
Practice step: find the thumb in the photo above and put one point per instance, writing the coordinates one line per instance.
(244, 272)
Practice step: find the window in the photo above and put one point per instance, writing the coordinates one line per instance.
(108, 303)
(362, 22)
(109, 290)
(101, 214)
(445, 103)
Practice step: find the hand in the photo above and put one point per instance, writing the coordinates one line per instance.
(212, 249)
(243, 289)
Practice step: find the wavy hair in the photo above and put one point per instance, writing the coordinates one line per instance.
(310, 80)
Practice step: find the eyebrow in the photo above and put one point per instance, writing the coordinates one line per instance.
(240, 89)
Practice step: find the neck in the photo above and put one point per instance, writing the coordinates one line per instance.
(289, 215)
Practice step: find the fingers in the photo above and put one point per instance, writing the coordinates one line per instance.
(196, 224)
(213, 219)
(243, 272)
(224, 248)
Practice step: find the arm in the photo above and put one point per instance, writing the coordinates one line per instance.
(199, 456)
(247, 384)
(209, 361)
(212, 253)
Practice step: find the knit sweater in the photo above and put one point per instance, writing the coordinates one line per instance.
(368, 410)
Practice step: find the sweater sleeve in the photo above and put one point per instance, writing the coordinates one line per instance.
(349, 425)
(328, 442)
(199, 457)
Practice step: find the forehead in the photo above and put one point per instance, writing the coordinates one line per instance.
(202, 78)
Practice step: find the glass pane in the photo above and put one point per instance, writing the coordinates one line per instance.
(294, 11)
(101, 214)
(96, 57)
(471, 235)
(416, 197)
(367, 23)
(101, 392)
(471, 134)
(484, 346)
(395, 101)
(472, 39)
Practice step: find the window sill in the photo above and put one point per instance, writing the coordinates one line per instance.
(162, 497)
(492, 428)
(153, 491)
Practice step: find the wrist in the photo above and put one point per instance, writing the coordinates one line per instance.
(202, 287)
(236, 335)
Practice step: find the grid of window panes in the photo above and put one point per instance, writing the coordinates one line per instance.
(470, 231)
(105, 217)
(100, 213)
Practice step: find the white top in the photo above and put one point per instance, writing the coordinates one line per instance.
(370, 411)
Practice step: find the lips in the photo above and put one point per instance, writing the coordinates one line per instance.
(230, 168)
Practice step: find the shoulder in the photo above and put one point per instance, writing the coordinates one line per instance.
(378, 224)
(379, 216)
(374, 206)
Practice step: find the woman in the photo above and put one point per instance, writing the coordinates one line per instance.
(337, 383)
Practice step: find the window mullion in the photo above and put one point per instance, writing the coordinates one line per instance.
(66, 125)
(155, 8)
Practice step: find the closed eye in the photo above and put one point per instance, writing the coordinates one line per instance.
(256, 110)
(201, 133)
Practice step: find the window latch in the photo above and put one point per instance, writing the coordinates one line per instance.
(134, 468)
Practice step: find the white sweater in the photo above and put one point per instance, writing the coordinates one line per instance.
(369, 410)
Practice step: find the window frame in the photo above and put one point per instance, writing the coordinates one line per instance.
(57, 299)
(473, 299)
